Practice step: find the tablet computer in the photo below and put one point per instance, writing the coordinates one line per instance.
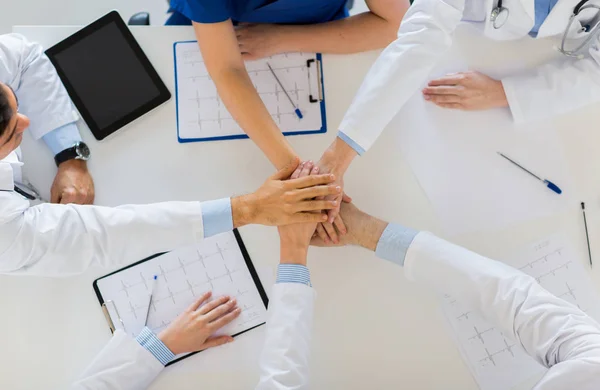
(107, 75)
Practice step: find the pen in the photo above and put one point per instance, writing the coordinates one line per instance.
(150, 303)
(296, 109)
(587, 236)
(548, 183)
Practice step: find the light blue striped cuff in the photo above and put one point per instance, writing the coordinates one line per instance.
(152, 344)
(351, 143)
(62, 138)
(293, 273)
(394, 243)
(217, 217)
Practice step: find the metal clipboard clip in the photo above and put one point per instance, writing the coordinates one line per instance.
(319, 78)
(108, 317)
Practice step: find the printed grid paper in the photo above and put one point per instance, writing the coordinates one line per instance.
(216, 265)
(497, 362)
(202, 114)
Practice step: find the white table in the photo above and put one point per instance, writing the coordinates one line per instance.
(373, 329)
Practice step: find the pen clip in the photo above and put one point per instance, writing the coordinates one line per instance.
(108, 317)
(319, 79)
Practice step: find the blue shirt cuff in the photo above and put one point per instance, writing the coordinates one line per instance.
(394, 243)
(217, 217)
(62, 138)
(152, 344)
(293, 273)
(351, 143)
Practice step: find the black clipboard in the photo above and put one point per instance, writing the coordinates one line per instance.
(249, 264)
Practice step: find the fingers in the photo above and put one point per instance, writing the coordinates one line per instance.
(297, 171)
(340, 226)
(443, 98)
(314, 205)
(286, 171)
(216, 341)
(443, 90)
(346, 198)
(313, 192)
(450, 79)
(322, 233)
(213, 304)
(331, 232)
(194, 306)
(306, 169)
(310, 181)
(221, 310)
(226, 319)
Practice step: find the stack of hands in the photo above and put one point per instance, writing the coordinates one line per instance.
(308, 207)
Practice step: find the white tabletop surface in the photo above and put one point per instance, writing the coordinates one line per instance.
(373, 329)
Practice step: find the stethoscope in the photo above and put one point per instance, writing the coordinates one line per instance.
(500, 14)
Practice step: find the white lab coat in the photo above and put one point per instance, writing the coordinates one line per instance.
(60, 240)
(557, 334)
(426, 33)
(125, 365)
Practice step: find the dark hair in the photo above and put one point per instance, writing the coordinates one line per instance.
(6, 111)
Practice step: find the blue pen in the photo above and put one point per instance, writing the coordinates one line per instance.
(548, 183)
(296, 109)
(151, 294)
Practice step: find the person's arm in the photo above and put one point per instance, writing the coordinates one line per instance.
(551, 330)
(44, 99)
(369, 30)
(128, 364)
(425, 34)
(29, 72)
(226, 67)
(284, 358)
(59, 240)
(571, 83)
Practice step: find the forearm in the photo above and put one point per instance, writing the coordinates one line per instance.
(362, 32)
(123, 364)
(245, 105)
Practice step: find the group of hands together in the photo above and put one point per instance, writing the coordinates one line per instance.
(304, 203)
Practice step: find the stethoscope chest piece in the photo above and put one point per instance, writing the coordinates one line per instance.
(499, 16)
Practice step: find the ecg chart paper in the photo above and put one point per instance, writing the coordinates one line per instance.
(216, 265)
(496, 361)
(202, 114)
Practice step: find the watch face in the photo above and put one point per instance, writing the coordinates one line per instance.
(83, 152)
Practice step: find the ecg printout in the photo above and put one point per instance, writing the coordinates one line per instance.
(202, 114)
(216, 265)
(497, 362)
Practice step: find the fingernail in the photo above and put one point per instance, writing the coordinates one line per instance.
(232, 302)
(324, 217)
(230, 340)
(338, 189)
(332, 177)
(427, 97)
(238, 310)
(326, 241)
(334, 202)
(316, 169)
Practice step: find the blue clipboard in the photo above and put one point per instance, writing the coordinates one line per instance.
(316, 97)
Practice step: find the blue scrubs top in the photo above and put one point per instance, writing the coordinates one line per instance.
(258, 11)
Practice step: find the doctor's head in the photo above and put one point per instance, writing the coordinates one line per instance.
(12, 123)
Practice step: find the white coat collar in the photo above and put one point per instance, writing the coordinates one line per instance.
(7, 178)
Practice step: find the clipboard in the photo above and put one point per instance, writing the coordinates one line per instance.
(308, 91)
(115, 319)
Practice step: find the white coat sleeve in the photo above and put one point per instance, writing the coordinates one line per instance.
(554, 88)
(123, 364)
(284, 359)
(554, 332)
(42, 96)
(61, 240)
(425, 34)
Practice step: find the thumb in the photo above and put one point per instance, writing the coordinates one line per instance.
(216, 341)
(346, 198)
(285, 172)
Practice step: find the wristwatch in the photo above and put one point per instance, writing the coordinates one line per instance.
(79, 151)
